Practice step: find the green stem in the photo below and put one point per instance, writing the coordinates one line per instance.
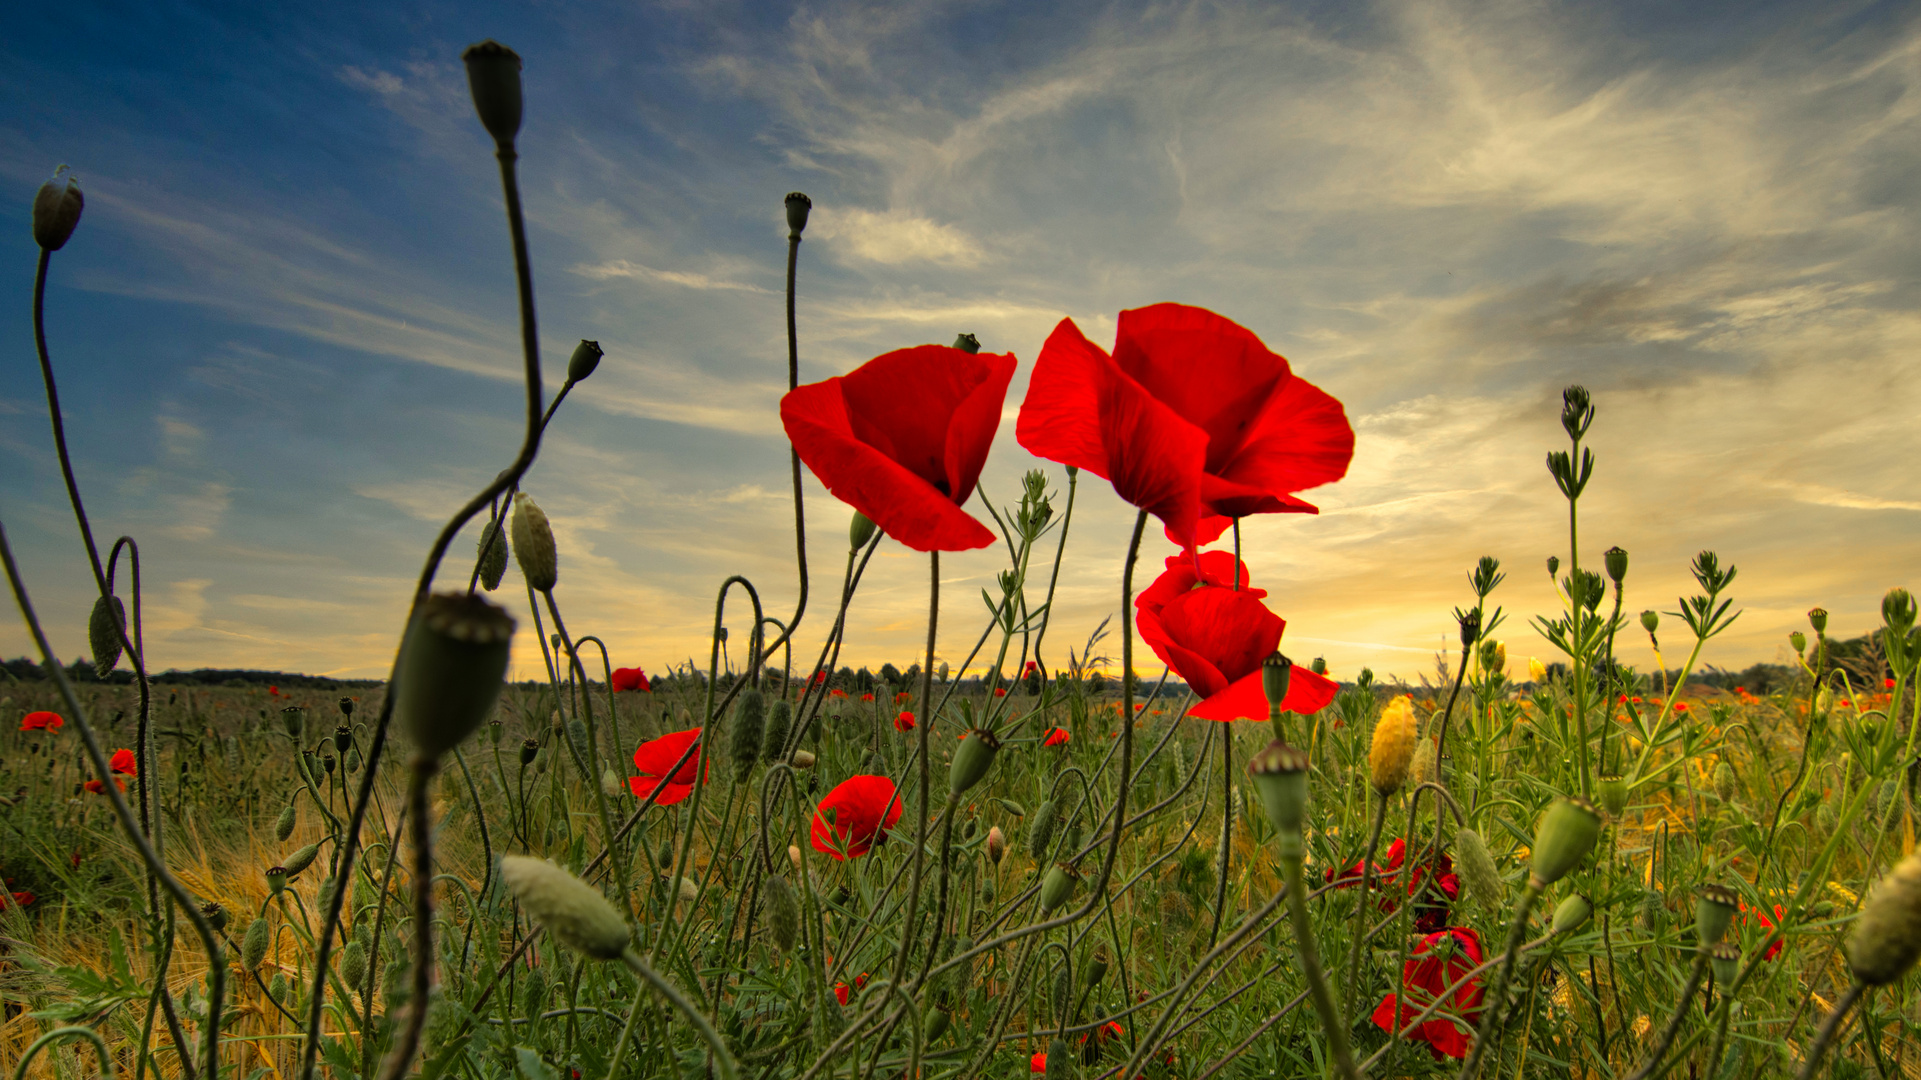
(723, 1058)
(1490, 1029)
(1673, 1026)
(1331, 1021)
(924, 753)
(1352, 989)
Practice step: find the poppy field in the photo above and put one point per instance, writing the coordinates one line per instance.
(1058, 853)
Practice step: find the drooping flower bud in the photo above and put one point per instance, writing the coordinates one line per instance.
(574, 912)
(353, 965)
(1276, 672)
(1059, 1063)
(1726, 961)
(253, 947)
(783, 913)
(1392, 751)
(797, 207)
(750, 716)
(1818, 618)
(1886, 938)
(1563, 838)
(1616, 560)
(779, 719)
(1725, 781)
(1280, 775)
(996, 845)
(972, 760)
(301, 859)
(1478, 871)
(968, 343)
(1571, 913)
(860, 530)
(1614, 794)
(283, 827)
(1714, 908)
(104, 627)
(452, 665)
(492, 552)
(1425, 766)
(586, 358)
(802, 759)
(493, 76)
(56, 211)
(1040, 833)
(610, 782)
(534, 544)
(1056, 887)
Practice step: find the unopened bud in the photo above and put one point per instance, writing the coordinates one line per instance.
(1483, 880)
(1886, 937)
(586, 358)
(1040, 833)
(996, 845)
(493, 76)
(802, 759)
(574, 912)
(1392, 751)
(774, 737)
(452, 666)
(972, 760)
(610, 782)
(1056, 887)
(1571, 913)
(750, 718)
(253, 947)
(1563, 838)
(860, 530)
(783, 913)
(301, 859)
(104, 627)
(1536, 670)
(492, 552)
(1425, 766)
(353, 964)
(1725, 782)
(534, 544)
(798, 206)
(283, 827)
(56, 211)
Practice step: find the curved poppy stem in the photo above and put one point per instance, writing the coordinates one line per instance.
(1352, 990)
(54, 1036)
(926, 775)
(402, 1055)
(1490, 1030)
(1331, 1021)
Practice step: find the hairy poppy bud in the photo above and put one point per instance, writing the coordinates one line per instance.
(783, 913)
(1041, 833)
(573, 911)
(1799, 641)
(353, 964)
(996, 845)
(534, 544)
(215, 915)
(1563, 838)
(452, 665)
(937, 1024)
(1725, 958)
(1425, 765)
(1653, 909)
(750, 715)
(797, 207)
(1571, 913)
(609, 782)
(802, 759)
(1395, 734)
(1276, 672)
(1280, 775)
(779, 719)
(1616, 560)
(103, 633)
(56, 211)
(1724, 781)
(301, 859)
(253, 947)
(1614, 794)
(283, 827)
(1886, 937)
(528, 749)
(1063, 992)
(972, 760)
(492, 552)
(1483, 880)
(968, 343)
(860, 530)
(586, 358)
(1818, 618)
(1714, 908)
(493, 76)
(1056, 887)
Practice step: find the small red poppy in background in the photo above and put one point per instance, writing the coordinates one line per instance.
(1032, 667)
(903, 697)
(1680, 706)
(841, 993)
(1887, 684)
(21, 898)
(99, 787)
(273, 691)
(631, 678)
(837, 692)
(902, 439)
(1000, 691)
(1768, 925)
(42, 721)
(653, 760)
(1215, 637)
(904, 722)
(1192, 419)
(1037, 1063)
(1056, 737)
(1441, 958)
(854, 816)
(124, 763)
(75, 858)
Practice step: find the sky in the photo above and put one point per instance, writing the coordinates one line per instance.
(288, 345)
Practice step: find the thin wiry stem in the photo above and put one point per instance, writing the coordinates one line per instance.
(926, 725)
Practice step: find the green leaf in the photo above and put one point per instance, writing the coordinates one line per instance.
(531, 1067)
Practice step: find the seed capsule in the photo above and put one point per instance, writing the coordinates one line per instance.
(493, 77)
(1818, 618)
(1056, 887)
(1886, 938)
(574, 912)
(1571, 913)
(860, 530)
(1714, 908)
(1563, 838)
(1614, 794)
(1616, 560)
(798, 206)
(528, 750)
(1277, 672)
(586, 358)
(215, 915)
(452, 666)
(1280, 775)
(1726, 960)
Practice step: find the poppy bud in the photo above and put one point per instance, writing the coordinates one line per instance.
(1059, 1061)
(301, 859)
(803, 759)
(972, 760)
(1563, 838)
(1724, 781)
(1063, 992)
(283, 827)
(1395, 734)
(1714, 908)
(1799, 641)
(1424, 766)
(1553, 565)
(353, 964)
(290, 718)
(528, 749)
(1477, 869)
(1571, 913)
(1886, 937)
(1653, 908)
(1614, 794)
(996, 845)
(1536, 670)
(586, 358)
(937, 1024)
(750, 715)
(609, 782)
(277, 987)
(779, 719)
(1056, 887)
(1276, 672)
(1493, 657)
(783, 913)
(860, 530)
(103, 633)
(987, 890)
(1041, 833)
(534, 544)
(968, 343)
(1280, 774)
(1071, 840)
(215, 915)
(492, 552)
(1616, 560)
(452, 664)
(574, 912)
(56, 211)
(276, 879)
(797, 207)
(1725, 958)
(253, 947)
(793, 856)
(1818, 618)
(493, 76)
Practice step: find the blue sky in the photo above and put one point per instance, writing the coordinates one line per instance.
(287, 342)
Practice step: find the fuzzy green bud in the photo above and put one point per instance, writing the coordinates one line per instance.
(574, 912)
(278, 987)
(1564, 836)
(1714, 908)
(1653, 909)
(1060, 1060)
(56, 211)
(353, 964)
(750, 719)
(253, 947)
(783, 913)
(1886, 937)
(1571, 913)
(860, 530)
(779, 719)
(1056, 887)
(1478, 871)
(937, 1024)
(586, 358)
(1725, 782)
(104, 627)
(492, 553)
(452, 665)
(972, 760)
(301, 859)
(493, 77)
(283, 827)
(1040, 834)
(534, 544)
(1616, 560)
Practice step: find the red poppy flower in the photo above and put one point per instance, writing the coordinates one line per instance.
(841, 993)
(631, 678)
(655, 757)
(903, 697)
(837, 693)
(75, 857)
(1390, 863)
(1681, 706)
(1215, 637)
(904, 722)
(1192, 419)
(273, 691)
(99, 787)
(124, 762)
(902, 439)
(1037, 1063)
(867, 697)
(1767, 925)
(23, 897)
(1031, 668)
(1441, 958)
(855, 815)
(1431, 906)
(1000, 691)
(1887, 684)
(1056, 737)
(42, 721)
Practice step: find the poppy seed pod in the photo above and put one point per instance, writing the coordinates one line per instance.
(968, 344)
(276, 879)
(104, 626)
(346, 707)
(1553, 565)
(534, 544)
(492, 552)
(56, 211)
(783, 913)
(1318, 665)
(574, 912)
(452, 664)
(972, 760)
(1392, 750)
(1726, 961)
(529, 749)
(1571, 913)
(774, 736)
(1280, 774)
(301, 859)
(1799, 640)
(343, 738)
(996, 845)
(253, 947)
(1563, 838)
(1276, 672)
(750, 715)
(1478, 870)
(493, 76)
(1714, 908)
(1818, 618)
(1886, 937)
(215, 915)
(1614, 794)
(860, 530)
(283, 827)
(1616, 560)
(1096, 971)
(798, 206)
(586, 358)
(937, 1024)
(1056, 887)
(291, 718)
(1041, 833)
